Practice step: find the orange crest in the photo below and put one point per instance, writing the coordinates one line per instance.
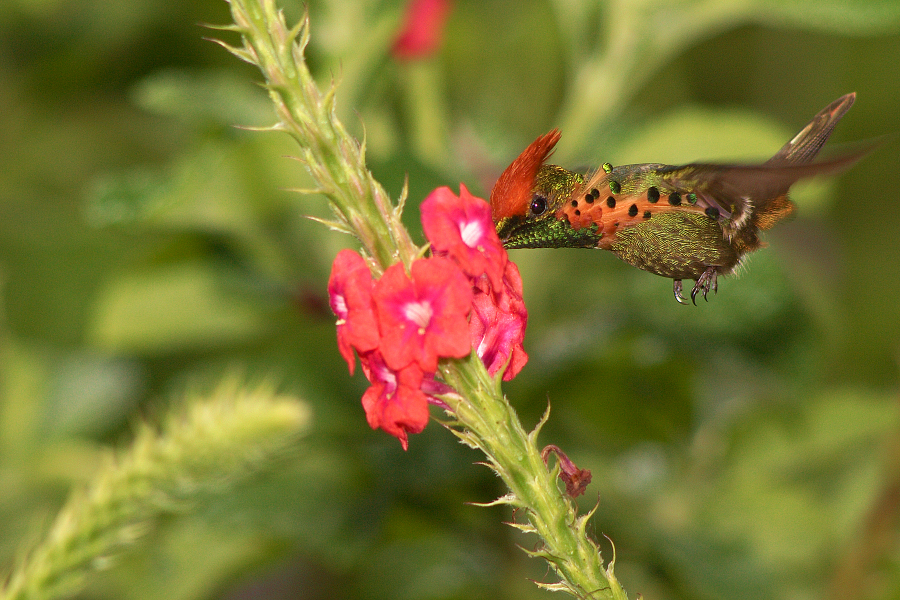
(512, 192)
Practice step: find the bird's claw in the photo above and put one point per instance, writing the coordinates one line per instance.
(676, 287)
(707, 281)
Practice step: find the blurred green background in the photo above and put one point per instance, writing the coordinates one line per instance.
(746, 448)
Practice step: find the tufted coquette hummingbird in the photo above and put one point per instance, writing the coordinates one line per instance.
(694, 221)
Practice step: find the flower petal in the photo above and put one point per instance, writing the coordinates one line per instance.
(423, 316)
(497, 325)
(461, 229)
(394, 402)
(350, 296)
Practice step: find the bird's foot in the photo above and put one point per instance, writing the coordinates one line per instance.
(707, 281)
(676, 287)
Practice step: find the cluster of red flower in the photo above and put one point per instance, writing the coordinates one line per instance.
(466, 295)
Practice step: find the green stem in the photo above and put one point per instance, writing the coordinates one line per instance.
(426, 111)
(486, 421)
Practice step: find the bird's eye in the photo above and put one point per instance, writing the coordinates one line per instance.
(538, 205)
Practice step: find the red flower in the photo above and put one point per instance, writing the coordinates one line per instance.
(497, 326)
(395, 401)
(422, 29)
(468, 295)
(461, 228)
(422, 316)
(350, 296)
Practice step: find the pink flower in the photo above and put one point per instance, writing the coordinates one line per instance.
(395, 401)
(497, 326)
(422, 29)
(423, 316)
(461, 228)
(350, 296)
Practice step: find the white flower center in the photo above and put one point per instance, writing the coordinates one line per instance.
(340, 306)
(471, 233)
(389, 378)
(419, 313)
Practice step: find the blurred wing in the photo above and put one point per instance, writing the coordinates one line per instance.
(736, 190)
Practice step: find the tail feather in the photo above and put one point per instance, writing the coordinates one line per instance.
(804, 146)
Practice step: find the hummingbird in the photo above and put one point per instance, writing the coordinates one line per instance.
(695, 221)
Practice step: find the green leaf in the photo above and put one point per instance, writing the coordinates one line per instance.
(221, 98)
(797, 484)
(854, 17)
(170, 308)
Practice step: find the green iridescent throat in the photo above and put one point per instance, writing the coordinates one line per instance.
(517, 232)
